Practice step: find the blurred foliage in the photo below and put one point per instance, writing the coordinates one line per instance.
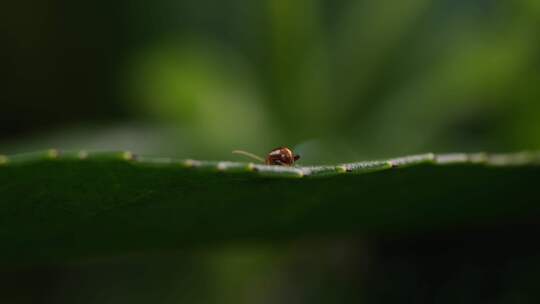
(348, 79)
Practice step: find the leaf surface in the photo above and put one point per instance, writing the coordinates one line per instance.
(56, 205)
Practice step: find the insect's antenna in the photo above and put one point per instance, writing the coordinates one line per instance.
(251, 155)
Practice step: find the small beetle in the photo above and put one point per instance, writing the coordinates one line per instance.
(281, 156)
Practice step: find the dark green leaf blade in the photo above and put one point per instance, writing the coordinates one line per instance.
(62, 205)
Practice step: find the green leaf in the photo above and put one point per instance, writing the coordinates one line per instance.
(56, 206)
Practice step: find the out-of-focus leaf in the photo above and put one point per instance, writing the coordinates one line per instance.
(56, 206)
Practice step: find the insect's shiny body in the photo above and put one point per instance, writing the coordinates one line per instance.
(281, 156)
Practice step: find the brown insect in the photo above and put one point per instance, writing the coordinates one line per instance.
(281, 156)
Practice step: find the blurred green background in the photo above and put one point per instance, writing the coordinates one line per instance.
(338, 80)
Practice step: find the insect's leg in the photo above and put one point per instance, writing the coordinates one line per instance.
(279, 162)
